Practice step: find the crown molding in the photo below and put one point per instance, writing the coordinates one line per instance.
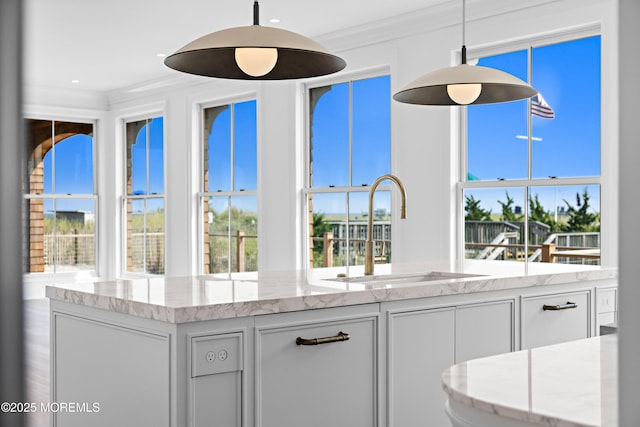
(426, 20)
(65, 98)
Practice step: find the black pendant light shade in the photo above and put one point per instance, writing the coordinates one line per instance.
(255, 53)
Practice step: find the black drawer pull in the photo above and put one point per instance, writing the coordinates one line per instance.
(315, 341)
(560, 306)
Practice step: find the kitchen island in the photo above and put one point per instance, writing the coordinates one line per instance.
(183, 351)
(569, 384)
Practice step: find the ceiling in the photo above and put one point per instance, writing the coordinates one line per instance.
(113, 44)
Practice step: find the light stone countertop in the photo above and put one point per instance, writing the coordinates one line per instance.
(570, 384)
(198, 298)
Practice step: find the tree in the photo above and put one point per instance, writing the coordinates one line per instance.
(580, 219)
(507, 210)
(473, 210)
(319, 227)
(537, 213)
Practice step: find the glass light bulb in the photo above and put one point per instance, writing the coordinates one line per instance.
(256, 61)
(464, 93)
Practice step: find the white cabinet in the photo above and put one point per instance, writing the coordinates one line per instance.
(554, 318)
(332, 381)
(255, 371)
(424, 342)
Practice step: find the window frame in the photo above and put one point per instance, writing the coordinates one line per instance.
(148, 116)
(307, 189)
(460, 123)
(201, 194)
(35, 276)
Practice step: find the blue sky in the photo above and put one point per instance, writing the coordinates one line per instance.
(73, 174)
(243, 139)
(155, 182)
(370, 136)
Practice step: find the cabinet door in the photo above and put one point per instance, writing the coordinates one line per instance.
(484, 330)
(421, 347)
(331, 384)
(119, 376)
(566, 317)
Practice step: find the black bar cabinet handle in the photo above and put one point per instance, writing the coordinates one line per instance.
(560, 306)
(315, 341)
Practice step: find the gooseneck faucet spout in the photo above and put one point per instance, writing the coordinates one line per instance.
(368, 252)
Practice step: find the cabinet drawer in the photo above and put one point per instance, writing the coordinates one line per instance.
(551, 319)
(329, 384)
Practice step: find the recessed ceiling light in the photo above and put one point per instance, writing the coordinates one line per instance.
(75, 81)
(161, 55)
(274, 20)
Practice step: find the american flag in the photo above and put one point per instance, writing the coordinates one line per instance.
(540, 108)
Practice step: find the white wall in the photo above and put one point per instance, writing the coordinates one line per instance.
(422, 153)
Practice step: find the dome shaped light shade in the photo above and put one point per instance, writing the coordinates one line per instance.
(214, 55)
(497, 86)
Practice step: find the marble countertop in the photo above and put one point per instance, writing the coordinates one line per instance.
(189, 299)
(569, 384)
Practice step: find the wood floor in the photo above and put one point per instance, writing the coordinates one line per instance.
(36, 319)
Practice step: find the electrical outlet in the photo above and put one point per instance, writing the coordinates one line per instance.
(216, 354)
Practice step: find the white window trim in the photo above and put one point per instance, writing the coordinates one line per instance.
(200, 195)
(121, 190)
(35, 282)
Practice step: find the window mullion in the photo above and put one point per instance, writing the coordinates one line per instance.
(529, 157)
(350, 247)
(229, 250)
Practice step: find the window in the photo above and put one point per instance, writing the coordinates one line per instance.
(144, 196)
(349, 147)
(531, 191)
(61, 201)
(229, 198)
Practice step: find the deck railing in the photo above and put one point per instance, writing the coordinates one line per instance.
(499, 240)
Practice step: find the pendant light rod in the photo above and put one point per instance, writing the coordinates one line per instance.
(463, 22)
(256, 13)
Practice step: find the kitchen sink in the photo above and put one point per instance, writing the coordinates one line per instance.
(404, 278)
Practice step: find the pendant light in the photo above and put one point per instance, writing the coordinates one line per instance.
(464, 84)
(255, 52)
